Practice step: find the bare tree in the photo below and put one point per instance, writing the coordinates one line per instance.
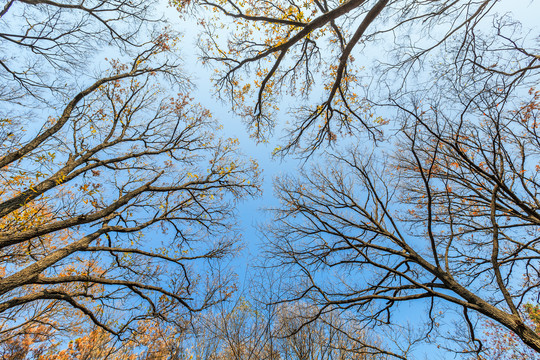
(448, 217)
(250, 329)
(332, 336)
(46, 45)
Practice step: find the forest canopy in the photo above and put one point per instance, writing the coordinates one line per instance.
(410, 228)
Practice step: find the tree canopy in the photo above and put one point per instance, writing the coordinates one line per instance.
(411, 225)
(449, 216)
(117, 197)
(323, 53)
